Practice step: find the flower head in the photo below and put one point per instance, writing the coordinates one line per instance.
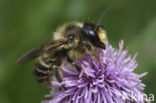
(108, 80)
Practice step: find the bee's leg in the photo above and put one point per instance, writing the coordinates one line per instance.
(58, 74)
(90, 51)
(84, 43)
(78, 68)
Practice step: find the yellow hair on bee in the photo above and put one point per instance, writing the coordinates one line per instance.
(102, 35)
(61, 30)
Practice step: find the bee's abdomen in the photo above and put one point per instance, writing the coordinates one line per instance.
(45, 66)
(42, 71)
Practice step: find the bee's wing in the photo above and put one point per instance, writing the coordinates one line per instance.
(30, 55)
(36, 52)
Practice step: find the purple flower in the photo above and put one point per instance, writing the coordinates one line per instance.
(109, 80)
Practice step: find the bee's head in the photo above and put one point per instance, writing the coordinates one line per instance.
(96, 35)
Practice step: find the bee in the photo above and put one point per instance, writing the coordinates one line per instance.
(71, 40)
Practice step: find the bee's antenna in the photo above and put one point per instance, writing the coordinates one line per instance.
(100, 19)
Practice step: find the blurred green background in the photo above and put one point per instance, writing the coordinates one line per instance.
(25, 24)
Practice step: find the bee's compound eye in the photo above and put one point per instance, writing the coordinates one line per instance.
(71, 38)
(91, 33)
